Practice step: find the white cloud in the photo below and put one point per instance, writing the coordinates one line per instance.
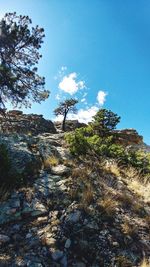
(83, 115)
(85, 94)
(58, 118)
(63, 68)
(83, 100)
(70, 85)
(57, 97)
(101, 97)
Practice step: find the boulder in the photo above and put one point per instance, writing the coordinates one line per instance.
(70, 125)
(128, 137)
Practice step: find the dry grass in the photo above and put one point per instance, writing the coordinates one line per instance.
(132, 173)
(108, 206)
(129, 229)
(145, 263)
(122, 261)
(74, 192)
(51, 162)
(140, 188)
(4, 193)
(82, 173)
(68, 163)
(138, 208)
(147, 220)
(125, 199)
(113, 168)
(87, 195)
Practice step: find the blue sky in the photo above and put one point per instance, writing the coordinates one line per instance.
(97, 51)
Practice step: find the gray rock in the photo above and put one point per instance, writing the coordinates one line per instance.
(4, 238)
(68, 243)
(60, 170)
(80, 264)
(74, 217)
(63, 261)
(15, 203)
(57, 255)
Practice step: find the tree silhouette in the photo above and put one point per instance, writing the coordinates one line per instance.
(19, 55)
(64, 107)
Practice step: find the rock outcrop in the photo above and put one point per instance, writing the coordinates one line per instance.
(15, 121)
(71, 125)
(128, 137)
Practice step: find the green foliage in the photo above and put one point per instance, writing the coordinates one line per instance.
(105, 121)
(140, 160)
(86, 141)
(78, 142)
(19, 45)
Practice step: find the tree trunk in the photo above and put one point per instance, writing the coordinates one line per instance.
(64, 122)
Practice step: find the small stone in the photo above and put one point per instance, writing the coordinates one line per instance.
(115, 244)
(80, 264)
(29, 235)
(34, 229)
(60, 170)
(57, 255)
(48, 241)
(68, 243)
(16, 227)
(42, 219)
(4, 239)
(92, 225)
(15, 203)
(11, 211)
(74, 217)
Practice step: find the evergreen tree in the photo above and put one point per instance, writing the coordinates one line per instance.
(105, 121)
(19, 55)
(64, 107)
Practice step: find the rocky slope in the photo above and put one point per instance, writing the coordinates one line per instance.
(71, 213)
(15, 121)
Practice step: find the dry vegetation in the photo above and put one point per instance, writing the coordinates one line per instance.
(51, 162)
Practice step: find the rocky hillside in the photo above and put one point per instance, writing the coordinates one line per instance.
(69, 212)
(15, 121)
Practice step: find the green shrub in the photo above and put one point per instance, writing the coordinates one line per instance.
(140, 160)
(85, 141)
(77, 142)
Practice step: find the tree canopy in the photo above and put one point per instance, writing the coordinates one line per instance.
(105, 121)
(64, 107)
(19, 55)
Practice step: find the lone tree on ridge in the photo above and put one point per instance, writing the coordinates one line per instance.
(64, 107)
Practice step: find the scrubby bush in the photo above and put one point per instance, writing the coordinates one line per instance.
(139, 160)
(78, 142)
(85, 141)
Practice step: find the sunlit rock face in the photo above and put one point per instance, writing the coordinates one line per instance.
(16, 121)
(128, 137)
